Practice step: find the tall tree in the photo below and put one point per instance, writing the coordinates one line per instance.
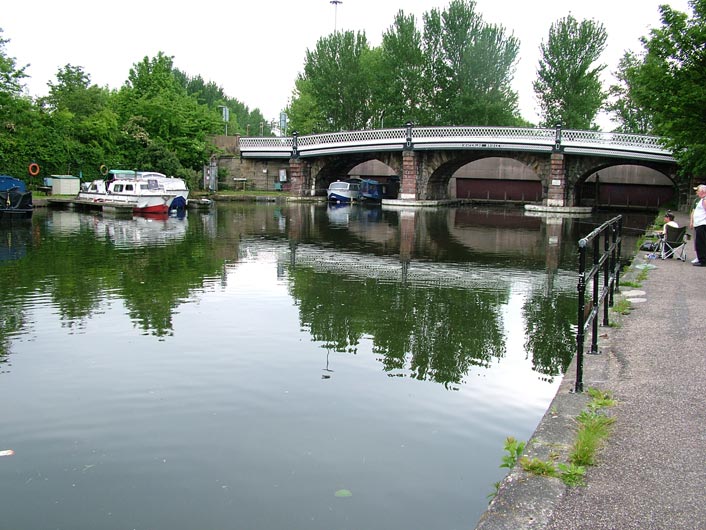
(671, 84)
(470, 67)
(165, 128)
(336, 77)
(83, 118)
(21, 127)
(241, 118)
(458, 71)
(305, 116)
(400, 87)
(627, 112)
(568, 85)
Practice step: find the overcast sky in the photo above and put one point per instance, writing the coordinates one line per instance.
(255, 49)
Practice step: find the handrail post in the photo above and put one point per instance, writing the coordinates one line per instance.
(578, 383)
(596, 298)
(607, 269)
(618, 247)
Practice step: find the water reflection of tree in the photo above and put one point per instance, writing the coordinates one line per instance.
(435, 333)
(78, 272)
(11, 321)
(551, 338)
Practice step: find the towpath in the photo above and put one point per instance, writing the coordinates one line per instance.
(651, 473)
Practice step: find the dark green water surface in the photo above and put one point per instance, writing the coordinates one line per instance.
(264, 366)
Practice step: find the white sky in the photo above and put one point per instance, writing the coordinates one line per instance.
(255, 49)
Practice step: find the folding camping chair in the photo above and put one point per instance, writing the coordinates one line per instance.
(673, 244)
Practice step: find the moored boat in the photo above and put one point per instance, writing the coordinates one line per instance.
(146, 191)
(372, 190)
(343, 191)
(15, 200)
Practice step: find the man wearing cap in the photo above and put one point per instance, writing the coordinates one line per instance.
(698, 223)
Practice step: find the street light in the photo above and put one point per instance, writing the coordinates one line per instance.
(335, 12)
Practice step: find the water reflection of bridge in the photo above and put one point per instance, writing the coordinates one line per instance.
(411, 273)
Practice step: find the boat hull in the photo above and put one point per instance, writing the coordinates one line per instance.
(140, 204)
(15, 204)
(341, 197)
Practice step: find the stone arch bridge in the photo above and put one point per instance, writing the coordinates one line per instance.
(427, 157)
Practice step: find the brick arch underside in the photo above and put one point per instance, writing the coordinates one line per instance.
(437, 169)
(326, 170)
(630, 191)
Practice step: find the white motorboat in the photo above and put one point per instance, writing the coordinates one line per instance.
(145, 191)
(344, 191)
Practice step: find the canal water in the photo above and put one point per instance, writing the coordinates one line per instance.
(266, 366)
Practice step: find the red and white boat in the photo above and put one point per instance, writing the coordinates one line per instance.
(145, 191)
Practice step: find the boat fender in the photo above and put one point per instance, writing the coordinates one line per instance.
(33, 169)
(103, 169)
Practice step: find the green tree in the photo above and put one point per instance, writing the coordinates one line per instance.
(11, 75)
(457, 72)
(568, 85)
(83, 121)
(164, 127)
(242, 120)
(17, 116)
(631, 117)
(670, 84)
(400, 87)
(336, 78)
(469, 68)
(305, 116)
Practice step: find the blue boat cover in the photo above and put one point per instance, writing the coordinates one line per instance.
(7, 182)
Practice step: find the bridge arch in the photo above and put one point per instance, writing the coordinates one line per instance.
(633, 184)
(326, 170)
(440, 167)
(625, 183)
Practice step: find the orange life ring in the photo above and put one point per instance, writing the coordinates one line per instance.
(33, 169)
(103, 169)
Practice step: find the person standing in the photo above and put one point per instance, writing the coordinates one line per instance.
(698, 223)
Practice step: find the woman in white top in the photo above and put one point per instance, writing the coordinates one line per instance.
(698, 223)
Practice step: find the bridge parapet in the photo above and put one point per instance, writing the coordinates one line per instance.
(470, 138)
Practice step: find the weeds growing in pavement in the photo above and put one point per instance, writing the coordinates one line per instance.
(514, 449)
(537, 466)
(642, 275)
(593, 429)
(622, 306)
(572, 475)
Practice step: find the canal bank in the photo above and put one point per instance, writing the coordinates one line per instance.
(650, 473)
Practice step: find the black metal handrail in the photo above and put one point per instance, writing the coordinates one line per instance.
(608, 262)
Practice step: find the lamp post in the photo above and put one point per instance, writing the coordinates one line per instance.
(335, 12)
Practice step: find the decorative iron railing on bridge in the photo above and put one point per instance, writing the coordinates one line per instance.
(487, 138)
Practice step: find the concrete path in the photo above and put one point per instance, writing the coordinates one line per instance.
(651, 473)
